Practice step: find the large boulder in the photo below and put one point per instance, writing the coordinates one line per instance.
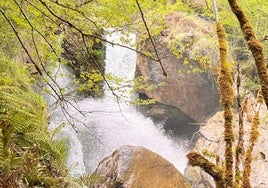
(211, 141)
(135, 166)
(188, 51)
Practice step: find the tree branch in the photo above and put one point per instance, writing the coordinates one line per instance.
(84, 3)
(151, 39)
(31, 25)
(20, 41)
(254, 45)
(226, 99)
(195, 159)
(240, 144)
(91, 35)
(76, 10)
(254, 135)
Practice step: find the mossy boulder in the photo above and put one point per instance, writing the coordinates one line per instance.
(189, 54)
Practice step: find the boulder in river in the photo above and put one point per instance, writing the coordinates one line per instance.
(136, 166)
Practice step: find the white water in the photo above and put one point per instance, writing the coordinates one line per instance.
(106, 126)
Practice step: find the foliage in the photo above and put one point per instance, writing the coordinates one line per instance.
(140, 102)
(90, 83)
(256, 12)
(28, 156)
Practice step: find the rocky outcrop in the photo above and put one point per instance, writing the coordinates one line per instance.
(188, 50)
(135, 166)
(211, 141)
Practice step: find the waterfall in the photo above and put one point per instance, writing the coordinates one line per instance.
(108, 123)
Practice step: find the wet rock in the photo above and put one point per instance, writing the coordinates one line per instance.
(175, 122)
(188, 51)
(135, 166)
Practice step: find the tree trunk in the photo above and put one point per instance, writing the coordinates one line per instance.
(254, 45)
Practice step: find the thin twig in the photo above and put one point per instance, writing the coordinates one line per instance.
(92, 35)
(31, 25)
(42, 12)
(76, 10)
(151, 39)
(240, 145)
(84, 3)
(59, 94)
(20, 41)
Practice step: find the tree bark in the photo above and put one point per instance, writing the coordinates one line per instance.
(254, 45)
(226, 99)
(195, 159)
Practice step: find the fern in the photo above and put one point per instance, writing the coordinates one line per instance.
(27, 152)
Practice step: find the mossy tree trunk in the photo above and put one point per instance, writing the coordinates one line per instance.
(215, 171)
(254, 45)
(254, 134)
(240, 143)
(225, 177)
(226, 100)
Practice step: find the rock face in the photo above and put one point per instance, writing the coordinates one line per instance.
(212, 141)
(133, 167)
(186, 48)
(175, 122)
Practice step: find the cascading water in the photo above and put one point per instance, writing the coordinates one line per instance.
(108, 123)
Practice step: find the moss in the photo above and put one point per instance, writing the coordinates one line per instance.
(215, 171)
(226, 91)
(254, 134)
(239, 148)
(257, 51)
(254, 45)
(260, 98)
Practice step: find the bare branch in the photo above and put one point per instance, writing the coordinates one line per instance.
(104, 78)
(58, 92)
(84, 3)
(76, 10)
(240, 145)
(42, 12)
(91, 35)
(151, 38)
(20, 40)
(215, 6)
(31, 25)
